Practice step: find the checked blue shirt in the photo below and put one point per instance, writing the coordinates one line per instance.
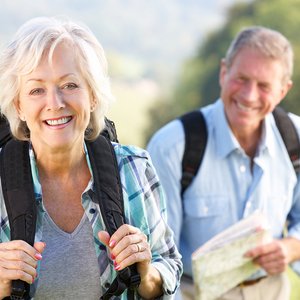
(145, 208)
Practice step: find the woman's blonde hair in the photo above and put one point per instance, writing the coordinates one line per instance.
(40, 36)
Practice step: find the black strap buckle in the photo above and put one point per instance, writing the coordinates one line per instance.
(18, 290)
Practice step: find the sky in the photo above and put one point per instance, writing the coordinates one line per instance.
(135, 27)
(146, 42)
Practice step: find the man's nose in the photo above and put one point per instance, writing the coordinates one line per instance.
(250, 92)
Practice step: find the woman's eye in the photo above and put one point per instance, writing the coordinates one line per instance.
(70, 86)
(37, 91)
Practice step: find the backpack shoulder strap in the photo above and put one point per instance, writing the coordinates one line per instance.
(110, 199)
(110, 131)
(18, 192)
(5, 134)
(195, 143)
(289, 135)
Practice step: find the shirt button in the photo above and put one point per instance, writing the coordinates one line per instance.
(242, 168)
(107, 285)
(248, 205)
(205, 209)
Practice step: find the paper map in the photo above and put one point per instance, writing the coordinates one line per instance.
(220, 265)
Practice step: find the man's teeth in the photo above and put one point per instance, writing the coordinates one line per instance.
(58, 121)
(243, 107)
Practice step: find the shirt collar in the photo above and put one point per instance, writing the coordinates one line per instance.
(226, 141)
(268, 137)
(35, 175)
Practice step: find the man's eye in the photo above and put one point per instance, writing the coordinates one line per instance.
(70, 86)
(37, 91)
(241, 79)
(264, 87)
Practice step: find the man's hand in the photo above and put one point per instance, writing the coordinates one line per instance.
(272, 257)
(275, 256)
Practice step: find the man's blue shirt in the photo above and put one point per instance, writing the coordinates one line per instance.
(227, 187)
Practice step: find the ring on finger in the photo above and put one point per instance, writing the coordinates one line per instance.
(139, 248)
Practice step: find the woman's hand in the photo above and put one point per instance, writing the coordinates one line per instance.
(18, 260)
(128, 245)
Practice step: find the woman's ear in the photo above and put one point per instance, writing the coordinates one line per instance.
(93, 104)
(19, 111)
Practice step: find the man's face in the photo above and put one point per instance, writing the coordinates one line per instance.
(250, 89)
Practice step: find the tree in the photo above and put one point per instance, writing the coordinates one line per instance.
(198, 84)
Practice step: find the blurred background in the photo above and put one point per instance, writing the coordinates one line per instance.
(164, 54)
(147, 44)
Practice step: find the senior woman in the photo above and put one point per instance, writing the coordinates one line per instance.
(54, 91)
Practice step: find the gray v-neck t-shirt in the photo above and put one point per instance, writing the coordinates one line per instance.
(69, 267)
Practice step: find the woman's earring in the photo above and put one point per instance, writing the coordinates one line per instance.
(22, 118)
(93, 105)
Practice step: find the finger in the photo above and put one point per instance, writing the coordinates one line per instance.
(39, 246)
(127, 241)
(104, 237)
(273, 267)
(18, 265)
(122, 231)
(276, 257)
(261, 250)
(19, 255)
(133, 254)
(12, 274)
(21, 249)
(272, 263)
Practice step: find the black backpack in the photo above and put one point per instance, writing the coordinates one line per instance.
(196, 139)
(17, 187)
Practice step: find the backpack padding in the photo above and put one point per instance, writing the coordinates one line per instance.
(5, 134)
(110, 131)
(18, 192)
(289, 135)
(108, 189)
(195, 143)
(196, 138)
(17, 187)
(107, 183)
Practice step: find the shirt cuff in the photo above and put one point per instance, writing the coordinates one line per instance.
(170, 279)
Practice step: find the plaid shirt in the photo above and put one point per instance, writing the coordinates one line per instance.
(145, 208)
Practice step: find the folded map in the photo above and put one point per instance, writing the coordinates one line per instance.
(220, 265)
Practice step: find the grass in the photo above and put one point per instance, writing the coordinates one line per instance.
(295, 282)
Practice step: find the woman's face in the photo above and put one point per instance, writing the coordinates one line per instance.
(55, 102)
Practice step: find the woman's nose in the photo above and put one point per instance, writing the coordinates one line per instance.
(55, 99)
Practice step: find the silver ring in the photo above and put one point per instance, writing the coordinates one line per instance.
(139, 248)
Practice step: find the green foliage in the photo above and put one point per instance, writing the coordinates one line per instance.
(198, 84)
(295, 284)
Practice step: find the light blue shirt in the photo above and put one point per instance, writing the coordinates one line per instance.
(225, 189)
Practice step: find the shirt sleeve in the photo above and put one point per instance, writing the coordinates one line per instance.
(294, 214)
(145, 206)
(166, 150)
(294, 222)
(165, 256)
